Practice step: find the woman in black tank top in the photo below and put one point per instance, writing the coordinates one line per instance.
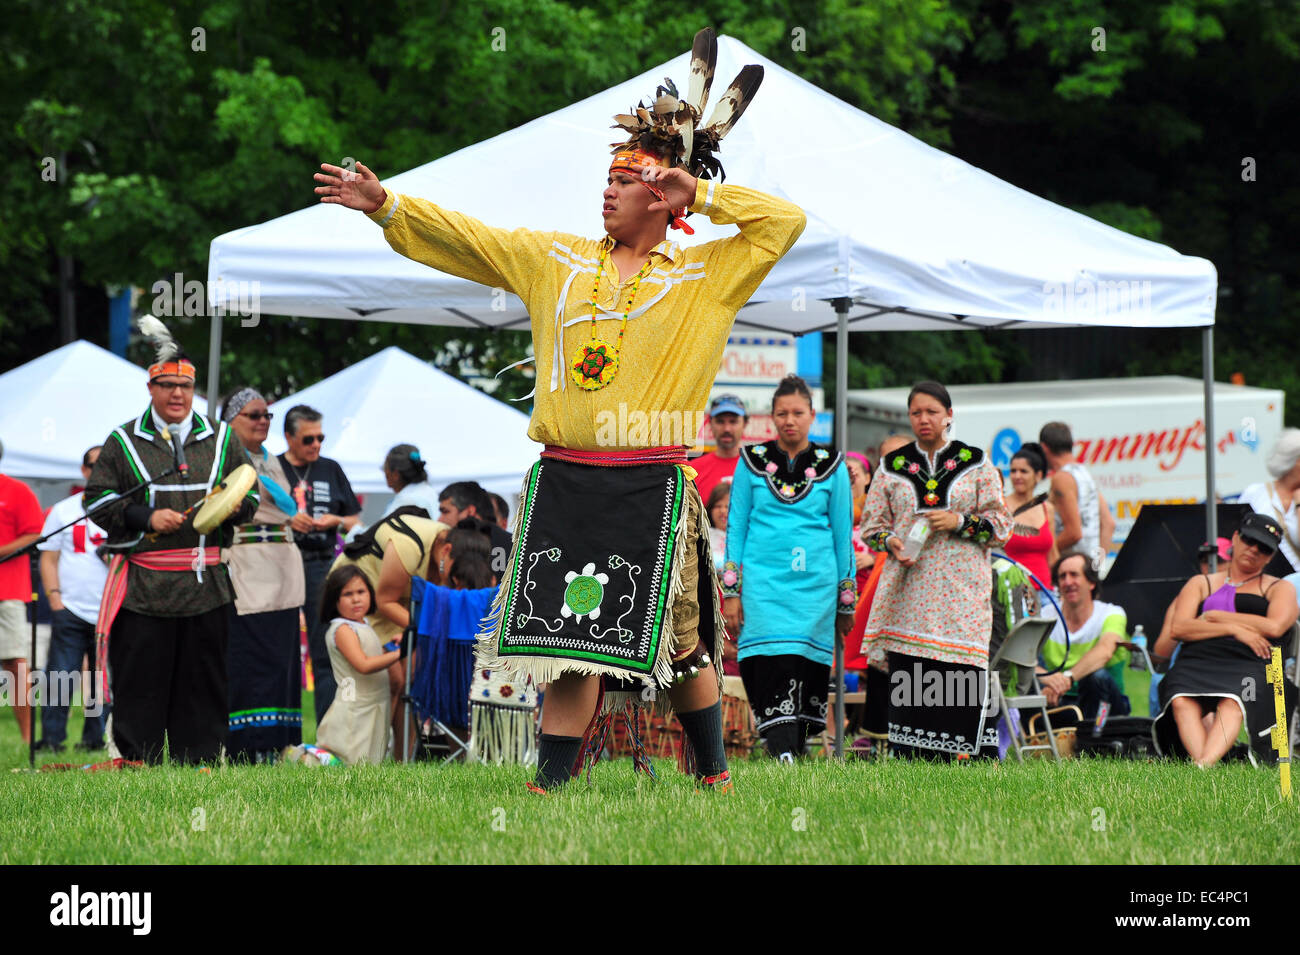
(1227, 624)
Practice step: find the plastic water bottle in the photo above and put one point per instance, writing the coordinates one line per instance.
(1139, 639)
(915, 539)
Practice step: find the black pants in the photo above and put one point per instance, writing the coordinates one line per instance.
(788, 694)
(169, 677)
(876, 721)
(1100, 687)
(315, 571)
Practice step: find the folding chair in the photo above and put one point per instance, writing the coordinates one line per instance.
(1021, 647)
(420, 689)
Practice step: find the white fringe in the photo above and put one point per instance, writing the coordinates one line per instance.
(502, 734)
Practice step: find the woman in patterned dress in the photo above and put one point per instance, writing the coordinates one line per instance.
(932, 615)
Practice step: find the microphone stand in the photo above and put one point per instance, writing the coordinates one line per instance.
(30, 551)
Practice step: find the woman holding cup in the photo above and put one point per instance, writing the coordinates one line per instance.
(936, 504)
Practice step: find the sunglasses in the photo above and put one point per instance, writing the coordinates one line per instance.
(173, 385)
(257, 415)
(310, 439)
(1262, 548)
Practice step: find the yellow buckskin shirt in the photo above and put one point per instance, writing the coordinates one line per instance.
(676, 331)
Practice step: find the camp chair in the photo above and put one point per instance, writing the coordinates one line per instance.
(1021, 647)
(432, 652)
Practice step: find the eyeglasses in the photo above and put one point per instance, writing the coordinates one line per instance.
(173, 385)
(310, 439)
(257, 415)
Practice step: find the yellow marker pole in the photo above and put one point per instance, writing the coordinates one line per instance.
(1276, 676)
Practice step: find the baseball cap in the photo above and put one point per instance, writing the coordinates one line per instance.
(728, 404)
(1262, 530)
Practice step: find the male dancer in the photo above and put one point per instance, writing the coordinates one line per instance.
(611, 573)
(162, 621)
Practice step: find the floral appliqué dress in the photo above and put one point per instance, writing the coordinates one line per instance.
(930, 623)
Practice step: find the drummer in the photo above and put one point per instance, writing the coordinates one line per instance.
(162, 624)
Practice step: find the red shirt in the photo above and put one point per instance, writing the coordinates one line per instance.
(20, 515)
(713, 470)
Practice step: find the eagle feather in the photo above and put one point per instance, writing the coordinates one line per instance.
(165, 346)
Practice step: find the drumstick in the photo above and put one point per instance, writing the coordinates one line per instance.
(220, 486)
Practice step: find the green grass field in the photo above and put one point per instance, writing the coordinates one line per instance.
(1091, 811)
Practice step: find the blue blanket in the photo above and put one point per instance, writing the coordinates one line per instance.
(447, 623)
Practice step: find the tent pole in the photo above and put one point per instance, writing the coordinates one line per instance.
(841, 442)
(214, 363)
(1211, 511)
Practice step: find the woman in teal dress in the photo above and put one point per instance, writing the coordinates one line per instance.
(788, 578)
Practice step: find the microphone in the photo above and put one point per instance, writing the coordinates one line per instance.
(174, 436)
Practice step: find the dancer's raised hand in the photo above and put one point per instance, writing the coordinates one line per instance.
(677, 186)
(358, 190)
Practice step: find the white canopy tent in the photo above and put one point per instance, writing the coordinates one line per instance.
(893, 225)
(55, 407)
(394, 398)
(900, 236)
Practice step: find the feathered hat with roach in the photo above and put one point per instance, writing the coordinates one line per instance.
(669, 131)
(168, 359)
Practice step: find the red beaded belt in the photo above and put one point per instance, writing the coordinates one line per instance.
(669, 454)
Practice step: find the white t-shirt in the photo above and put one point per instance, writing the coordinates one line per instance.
(1106, 618)
(81, 573)
(1089, 513)
(421, 495)
(1263, 499)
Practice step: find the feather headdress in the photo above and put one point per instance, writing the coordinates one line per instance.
(167, 354)
(671, 127)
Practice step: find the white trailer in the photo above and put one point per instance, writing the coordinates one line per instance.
(1143, 438)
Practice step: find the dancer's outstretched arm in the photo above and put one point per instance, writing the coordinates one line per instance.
(437, 237)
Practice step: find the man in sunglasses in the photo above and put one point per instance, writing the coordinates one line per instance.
(326, 508)
(162, 620)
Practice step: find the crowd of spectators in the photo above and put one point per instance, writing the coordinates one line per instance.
(889, 550)
(925, 607)
(279, 563)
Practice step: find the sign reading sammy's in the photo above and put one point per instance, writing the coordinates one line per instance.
(1143, 439)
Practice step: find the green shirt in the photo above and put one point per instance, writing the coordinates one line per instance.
(1106, 618)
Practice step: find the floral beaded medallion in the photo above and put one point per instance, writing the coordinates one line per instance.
(594, 365)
